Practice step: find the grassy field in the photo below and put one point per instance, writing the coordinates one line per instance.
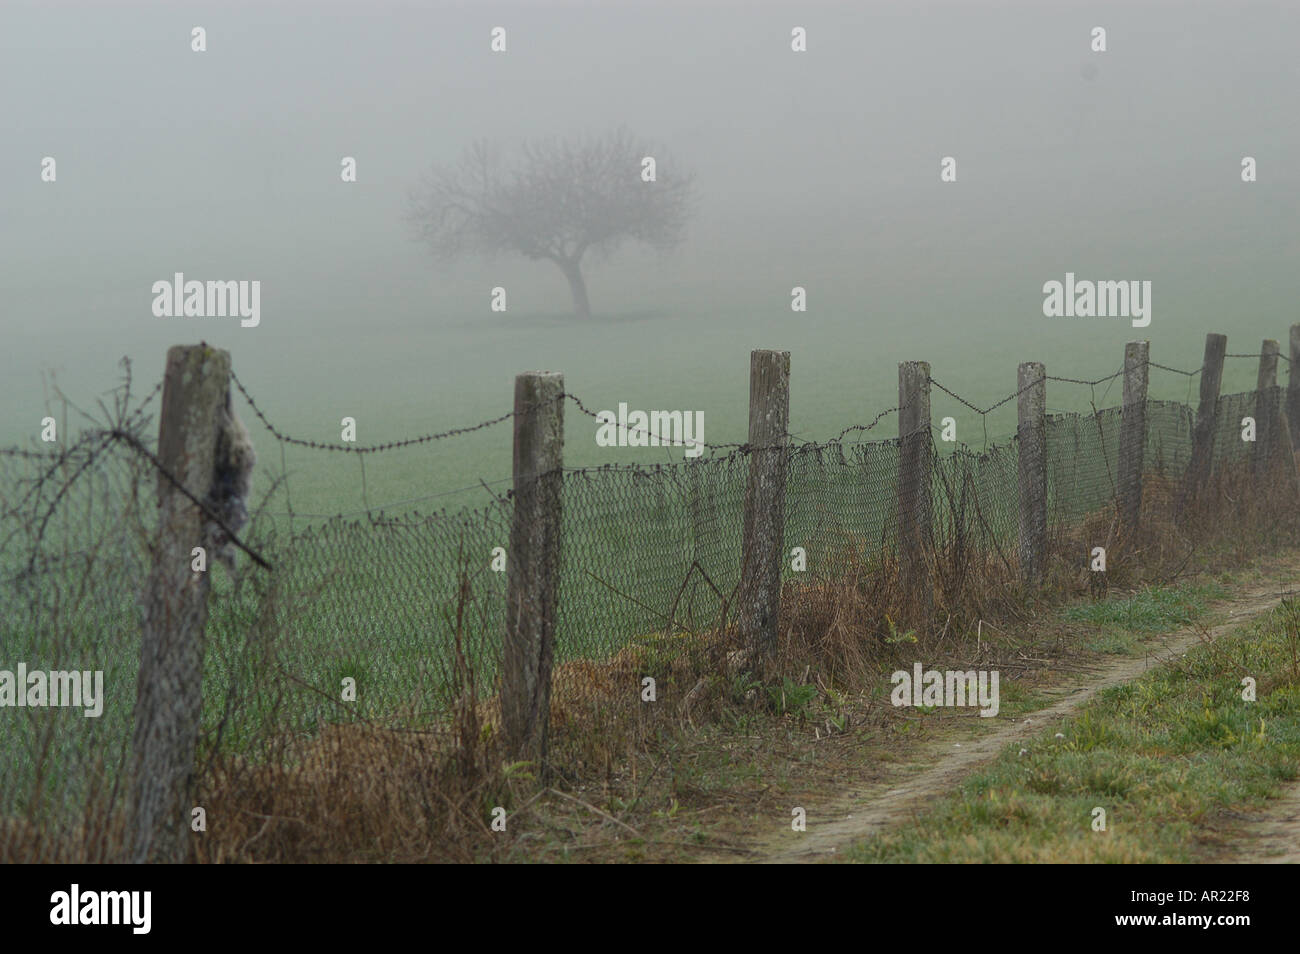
(399, 384)
(831, 388)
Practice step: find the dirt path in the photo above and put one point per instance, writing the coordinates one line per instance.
(939, 767)
(1273, 838)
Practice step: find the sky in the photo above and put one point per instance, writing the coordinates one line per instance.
(817, 168)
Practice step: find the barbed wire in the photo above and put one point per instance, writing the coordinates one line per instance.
(1093, 384)
(866, 427)
(1107, 379)
(59, 495)
(59, 457)
(133, 442)
(640, 430)
(606, 418)
(1052, 377)
(664, 440)
(656, 439)
(992, 407)
(1279, 354)
(61, 451)
(122, 424)
(458, 431)
(118, 435)
(62, 454)
(1165, 367)
(372, 449)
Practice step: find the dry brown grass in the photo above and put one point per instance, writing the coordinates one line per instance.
(363, 793)
(95, 839)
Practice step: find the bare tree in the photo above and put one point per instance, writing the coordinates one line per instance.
(560, 200)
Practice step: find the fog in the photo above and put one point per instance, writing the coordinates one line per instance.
(818, 168)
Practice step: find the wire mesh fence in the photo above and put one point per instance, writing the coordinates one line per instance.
(352, 692)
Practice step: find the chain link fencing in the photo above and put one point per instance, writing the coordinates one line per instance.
(351, 694)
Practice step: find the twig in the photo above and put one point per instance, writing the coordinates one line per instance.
(591, 807)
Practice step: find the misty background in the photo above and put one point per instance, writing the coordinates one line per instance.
(818, 169)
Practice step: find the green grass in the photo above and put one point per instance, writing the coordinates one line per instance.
(1166, 756)
(1122, 620)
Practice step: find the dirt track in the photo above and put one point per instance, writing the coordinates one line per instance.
(1274, 837)
(939, 767)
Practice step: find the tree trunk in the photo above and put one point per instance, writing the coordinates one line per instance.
(578, 287)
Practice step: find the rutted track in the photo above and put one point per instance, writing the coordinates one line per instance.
(939, 767)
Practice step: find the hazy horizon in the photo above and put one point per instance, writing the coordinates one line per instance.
(818, 169)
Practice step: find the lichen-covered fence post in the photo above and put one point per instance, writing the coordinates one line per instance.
(1273, 453)
(1031, 441)
(1265, 409)
(1293, 388)
(1133, 433)
(169, 690)
(914, 502)
(533, 564)
(1207, 419)
(764, 521)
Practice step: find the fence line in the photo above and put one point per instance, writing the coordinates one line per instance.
(595, 562)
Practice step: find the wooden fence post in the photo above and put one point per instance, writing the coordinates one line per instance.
(1207, 419)
(1031, 439)
(914, 503)
(764, 528)
(1273, 446)
(169, 689)
(1293, 388)
(1133, 433)
(1268, 439)
(533, 564)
